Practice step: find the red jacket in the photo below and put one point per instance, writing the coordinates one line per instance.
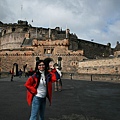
(33, 82)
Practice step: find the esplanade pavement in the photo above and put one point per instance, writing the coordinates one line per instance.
(89, 99)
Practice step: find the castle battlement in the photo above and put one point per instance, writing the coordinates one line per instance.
(22, 44)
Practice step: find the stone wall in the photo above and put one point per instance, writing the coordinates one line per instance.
(100, 66)
(92, 77)
(21, 43)
(12, 41)
(21, 59)
(95, 50)
(8, 61)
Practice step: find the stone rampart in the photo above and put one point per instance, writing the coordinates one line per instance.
(92, 77)
(100, 66)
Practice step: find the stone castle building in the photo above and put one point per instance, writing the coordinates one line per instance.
(22, 44)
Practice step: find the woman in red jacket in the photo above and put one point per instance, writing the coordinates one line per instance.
(39, 86)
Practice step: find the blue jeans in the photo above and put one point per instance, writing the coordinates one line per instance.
(38, 108)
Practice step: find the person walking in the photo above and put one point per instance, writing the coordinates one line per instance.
(20, 73)
(12, 74)
(58, 83)
(31, 72)
(39, 87)
(26, 73)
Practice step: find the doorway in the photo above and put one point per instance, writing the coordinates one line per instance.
(47, 61)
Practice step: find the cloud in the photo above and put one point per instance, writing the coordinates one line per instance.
(88, 19)
(5, 12)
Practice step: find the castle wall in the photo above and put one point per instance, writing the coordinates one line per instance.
(92, 77)
(53, 43)
(103, 66)
(117, 53)
(69, 63)
(8, 58)
(21, 59)
(12, 51)
(95, 50)
(12, 41)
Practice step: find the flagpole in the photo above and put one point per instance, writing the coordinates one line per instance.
(49, 37)
(21, 10)
(66, 32)
(36, 32)
(49, 32)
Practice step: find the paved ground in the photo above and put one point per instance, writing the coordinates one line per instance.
(100, 100)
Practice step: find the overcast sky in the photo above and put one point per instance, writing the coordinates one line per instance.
(88, 19)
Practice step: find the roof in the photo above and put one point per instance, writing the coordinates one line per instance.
(27, 42)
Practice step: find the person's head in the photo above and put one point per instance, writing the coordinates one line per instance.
(56, 65)
(41, 65)
(51, 64)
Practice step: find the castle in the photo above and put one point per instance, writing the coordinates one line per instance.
(22, 44)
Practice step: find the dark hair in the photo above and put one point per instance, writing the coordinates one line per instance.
(40, 62)
(55, 65)
(37, 63)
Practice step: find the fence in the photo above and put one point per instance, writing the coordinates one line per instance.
(76, 76)
(91, 77)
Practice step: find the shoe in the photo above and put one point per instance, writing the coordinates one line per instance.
(59, 90)
(55, 89)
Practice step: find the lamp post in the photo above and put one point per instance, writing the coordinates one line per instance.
(37, 60)
(59, 62)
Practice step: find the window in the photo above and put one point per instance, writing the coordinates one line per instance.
(13, 29)
(25, 29)
(48, 51)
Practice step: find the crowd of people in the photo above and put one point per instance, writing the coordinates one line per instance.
(20, 73)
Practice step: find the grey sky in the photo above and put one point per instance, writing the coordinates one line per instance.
(88, 19)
